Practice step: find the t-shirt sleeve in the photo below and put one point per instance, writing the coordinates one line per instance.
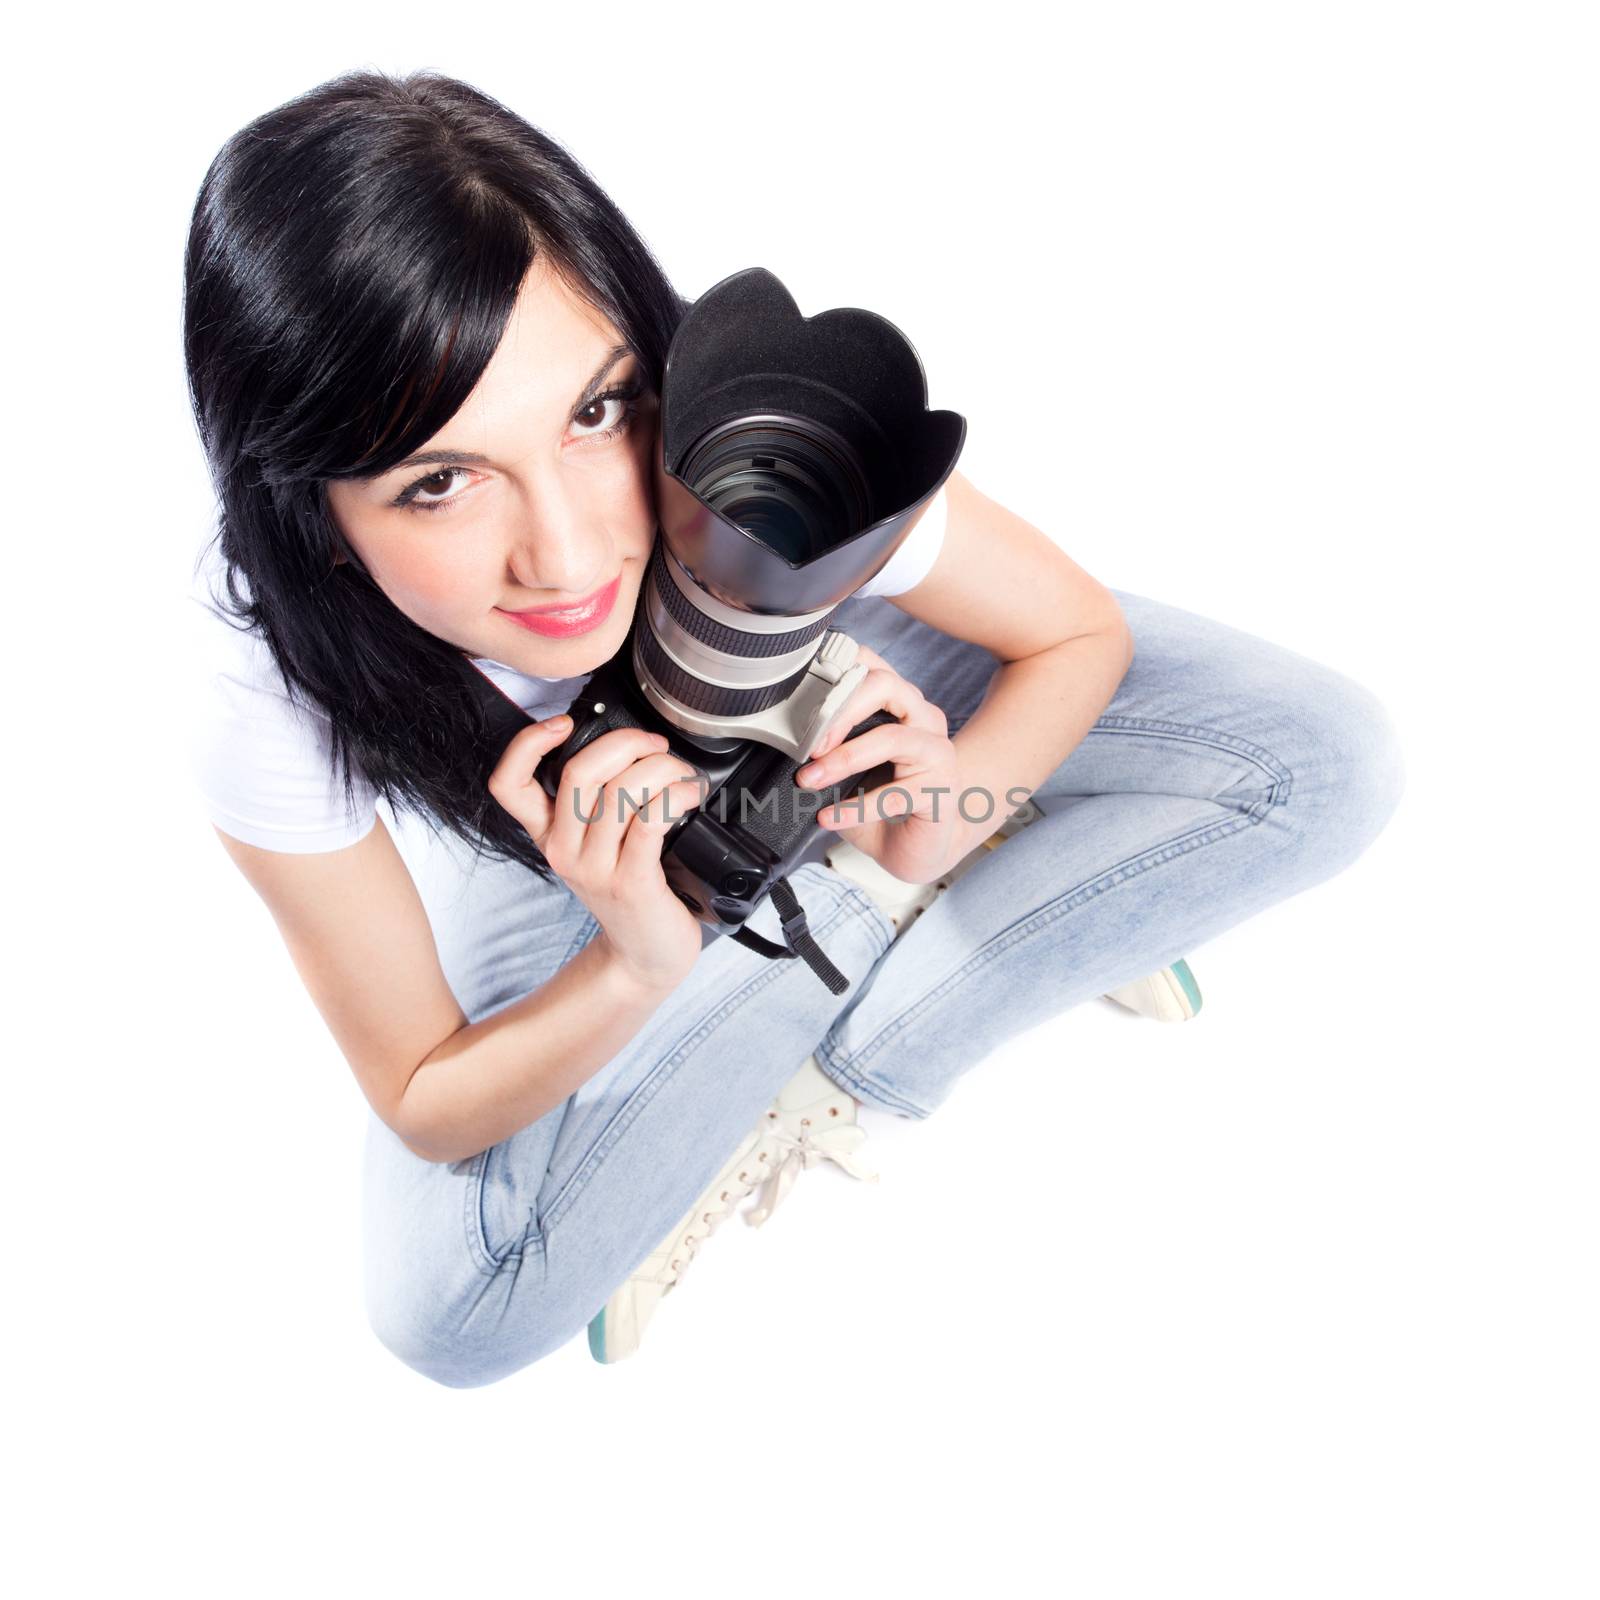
(914, 560)
(262, 763)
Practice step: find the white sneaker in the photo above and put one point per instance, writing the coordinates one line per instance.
(812, 1120)
(1170, 995)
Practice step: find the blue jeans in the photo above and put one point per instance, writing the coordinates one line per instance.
(1226, 775)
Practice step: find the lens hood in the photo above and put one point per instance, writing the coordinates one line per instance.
(830, 410)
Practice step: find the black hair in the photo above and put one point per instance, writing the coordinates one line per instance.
(352, 261)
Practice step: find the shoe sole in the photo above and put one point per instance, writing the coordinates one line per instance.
(1190, 989)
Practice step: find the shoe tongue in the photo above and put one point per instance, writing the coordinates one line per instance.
(809, 1085)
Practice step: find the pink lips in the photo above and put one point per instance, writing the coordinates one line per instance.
(561, 622)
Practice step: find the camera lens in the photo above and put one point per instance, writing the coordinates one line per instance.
(789, 482)
(762, 511)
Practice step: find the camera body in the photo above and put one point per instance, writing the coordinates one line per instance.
(753, 822)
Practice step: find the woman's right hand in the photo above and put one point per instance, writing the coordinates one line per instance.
(612, 863)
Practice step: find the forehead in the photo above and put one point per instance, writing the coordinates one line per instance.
(552, 344)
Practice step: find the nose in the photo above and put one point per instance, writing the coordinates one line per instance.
(558, 552)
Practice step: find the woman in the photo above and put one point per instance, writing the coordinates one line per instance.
(424, 351)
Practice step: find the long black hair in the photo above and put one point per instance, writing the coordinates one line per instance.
(352, 261)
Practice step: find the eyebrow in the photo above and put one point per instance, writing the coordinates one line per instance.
(471, 458)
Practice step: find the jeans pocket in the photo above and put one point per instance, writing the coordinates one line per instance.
(502, 1212)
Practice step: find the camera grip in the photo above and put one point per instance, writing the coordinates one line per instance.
(855, 783)
(591, 716)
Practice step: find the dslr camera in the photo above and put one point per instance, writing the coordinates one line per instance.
(794, 455)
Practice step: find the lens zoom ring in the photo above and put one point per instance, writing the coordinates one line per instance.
(715, 635)
(711, 699)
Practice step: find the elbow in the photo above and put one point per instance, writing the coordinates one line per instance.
(1104, 619)
(425, 1153)
(1117, 628)
(416, 1137)
(1108, 633)
(408, 1118)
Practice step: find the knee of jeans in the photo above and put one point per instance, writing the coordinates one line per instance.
(456, 1347)
(1352, 772)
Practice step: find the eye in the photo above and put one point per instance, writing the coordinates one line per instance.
(605, 417)
(608, 414)
(420, 494)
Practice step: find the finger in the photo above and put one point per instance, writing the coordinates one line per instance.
(512, 783)
(876, 663)
(526, 748)
(889, 741)
(640, 852)
(882, 689)
(628, 796)
(602, 759)
(580, 796)
(883, 804)
(907, 801)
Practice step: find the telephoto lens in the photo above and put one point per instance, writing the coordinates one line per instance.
(794, 456)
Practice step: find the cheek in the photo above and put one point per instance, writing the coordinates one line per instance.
(430, 583)
(638, 494)
(419, 574)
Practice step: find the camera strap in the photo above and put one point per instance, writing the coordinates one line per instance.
(797, 939)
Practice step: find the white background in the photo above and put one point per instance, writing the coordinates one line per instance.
(1282, 314)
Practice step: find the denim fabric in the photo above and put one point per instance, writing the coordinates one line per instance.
(1226, 775)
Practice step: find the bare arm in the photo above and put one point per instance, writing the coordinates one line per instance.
(493, 1077)
(360, 940)
(1062, 640)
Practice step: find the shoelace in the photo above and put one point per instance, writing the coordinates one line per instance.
(720, 1209)
(809, 1149)
(795, 1154)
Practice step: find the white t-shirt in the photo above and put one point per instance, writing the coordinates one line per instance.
(263, 763)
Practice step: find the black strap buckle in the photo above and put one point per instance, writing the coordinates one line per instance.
(797, 936)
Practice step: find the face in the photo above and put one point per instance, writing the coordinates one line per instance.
(537, 493)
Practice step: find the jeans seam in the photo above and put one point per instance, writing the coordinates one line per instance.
(1170, 850)
(869, 911)
(1282, 779)
(474, 1223)
(835, 1067)
(646, 1091)
(586, 931)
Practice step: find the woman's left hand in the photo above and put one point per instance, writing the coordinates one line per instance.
(911, 827)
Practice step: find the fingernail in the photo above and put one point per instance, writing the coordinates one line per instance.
(806, 776)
